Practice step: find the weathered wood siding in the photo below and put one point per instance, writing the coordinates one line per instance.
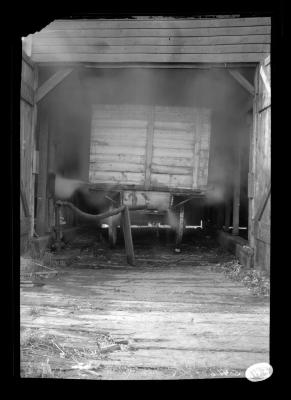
(145, 39)
(261, 168)
(151, 146)
(27, 147)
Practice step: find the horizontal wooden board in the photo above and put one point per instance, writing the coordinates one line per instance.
(171, 153)
(169, 169)
(173, 161)
(116, 177)
(177, 181)
(96, 149)
(152, 41)
(164, 58)
(111, 166)
(169, 144)
(174, 135)
(147, 49)
(118, 133)
(115, 117)
(129, 158)
(156, 23)
(167, 126)
(123, 142)
(169, 31)
(113, 123)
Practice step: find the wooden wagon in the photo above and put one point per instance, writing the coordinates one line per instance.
(150, 155)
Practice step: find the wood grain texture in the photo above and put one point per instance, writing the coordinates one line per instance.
(165, 32)
(176, 317)
(146, 58)
(143, 22)
(152, 41)
(154, 49)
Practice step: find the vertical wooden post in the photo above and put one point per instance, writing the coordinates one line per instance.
(51, 170)
(252, 164)
(220, 216)
(127, 236)
(227, 210)
(41, 216)
(149, 148)
(236, 191)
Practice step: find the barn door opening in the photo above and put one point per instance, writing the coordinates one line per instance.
(28, 158)
(260, 172)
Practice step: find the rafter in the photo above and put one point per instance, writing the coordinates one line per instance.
(51, 83)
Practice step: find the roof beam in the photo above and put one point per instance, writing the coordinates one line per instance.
(51, 83)
(242, 81)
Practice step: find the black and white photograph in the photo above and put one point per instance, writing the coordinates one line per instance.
(145, 198)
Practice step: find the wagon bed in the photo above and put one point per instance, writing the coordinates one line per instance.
(150, 155)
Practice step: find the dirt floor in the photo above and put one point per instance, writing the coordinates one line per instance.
(171, 316)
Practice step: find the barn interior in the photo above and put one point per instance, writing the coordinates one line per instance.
(66, 113)
(162, 125)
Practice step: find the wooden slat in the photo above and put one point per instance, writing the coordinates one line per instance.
(242, 81)
(167, 144)
(110, 166)
(205, 31)
(152, 41)
(169, 169)
(171, 153)
(152, 49)
(118, 177)
(142, 22)
(51, 83)
(165, 58)
(137, 151)
(111, 124)
(115, 133)
(117, 158)
(173, 161)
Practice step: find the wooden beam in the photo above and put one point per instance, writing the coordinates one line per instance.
(51, 83)
(149, 58)
(236, 194)
(41, 215)
(127, 236)
(242, 81)
(24, 200)
(265, 79)
(227, 210)
(262, 205)
(149, 149)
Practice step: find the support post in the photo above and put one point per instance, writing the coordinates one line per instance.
(236, 192)
(227, 210)
(41, 215)
(127, 236)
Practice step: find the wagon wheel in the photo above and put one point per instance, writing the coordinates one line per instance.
(180, 227)
(112, 231)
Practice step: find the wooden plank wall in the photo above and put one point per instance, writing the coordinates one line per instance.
(152, 146)
(27, 146)
(145, 39)
(262, 170)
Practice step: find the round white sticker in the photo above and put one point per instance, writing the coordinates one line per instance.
(259, 372)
